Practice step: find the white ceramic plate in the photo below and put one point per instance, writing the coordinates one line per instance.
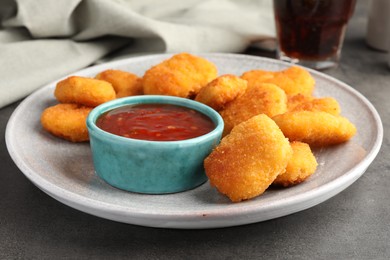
(64, 170)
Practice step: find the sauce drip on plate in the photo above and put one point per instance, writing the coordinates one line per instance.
(155, 122)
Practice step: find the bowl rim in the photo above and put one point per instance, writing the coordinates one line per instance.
(93, 129)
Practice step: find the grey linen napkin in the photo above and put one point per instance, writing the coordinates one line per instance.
(43, 40)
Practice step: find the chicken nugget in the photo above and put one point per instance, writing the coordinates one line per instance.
(301, 166)
(303, 81)
(84, 91)
(248, 160)
(221, 91)
(309, 103)
(293, 80)
(182, 75)
(256, 76)
(315, 128)
(296, 100)
(258, 99)
(67, 121)
(125, 83)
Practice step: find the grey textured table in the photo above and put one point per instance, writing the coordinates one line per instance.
(352, 225)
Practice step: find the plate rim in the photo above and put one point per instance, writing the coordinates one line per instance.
(117, 212)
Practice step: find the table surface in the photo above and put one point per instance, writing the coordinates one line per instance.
(352, 225)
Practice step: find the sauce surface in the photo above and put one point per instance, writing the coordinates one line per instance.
(155, 122)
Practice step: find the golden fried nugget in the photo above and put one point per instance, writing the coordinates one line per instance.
(221, 91)
(296, 100)
(258, 76)
(315, 128)
(182, 75)
(248, 160)
(293, 80)
(67, 121)
(303, 80)
(84, 91)
(125, 83)
(300, 167)
(258, 99)
(309, 103)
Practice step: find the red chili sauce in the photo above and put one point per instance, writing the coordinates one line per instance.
(155, 122)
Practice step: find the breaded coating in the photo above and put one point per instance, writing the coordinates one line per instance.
(67, 121)
(315, 128)
(256, 76)
(301, 165)
(84, 91)
(221, 91)
(293, 80)
(303, 80)
(182, 75)
(296, 100)
(125, 83)
(301, 102)
(258, 99)
(248, 160)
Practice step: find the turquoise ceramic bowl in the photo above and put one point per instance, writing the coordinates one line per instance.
(152, 167)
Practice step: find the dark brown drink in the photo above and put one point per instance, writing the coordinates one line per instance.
(311, 30)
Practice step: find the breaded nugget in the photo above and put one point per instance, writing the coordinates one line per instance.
(258, 99)
(315, 128)
(221, 91)
(67, 121)
(296, 100)
(309, 103)
(248, 160)
(293, 80)
(300, 167)
(303, 80)
(182, 75)
(256, 76)
(125, 83)
(84, 91)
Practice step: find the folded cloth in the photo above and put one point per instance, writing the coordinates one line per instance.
(43, 40)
